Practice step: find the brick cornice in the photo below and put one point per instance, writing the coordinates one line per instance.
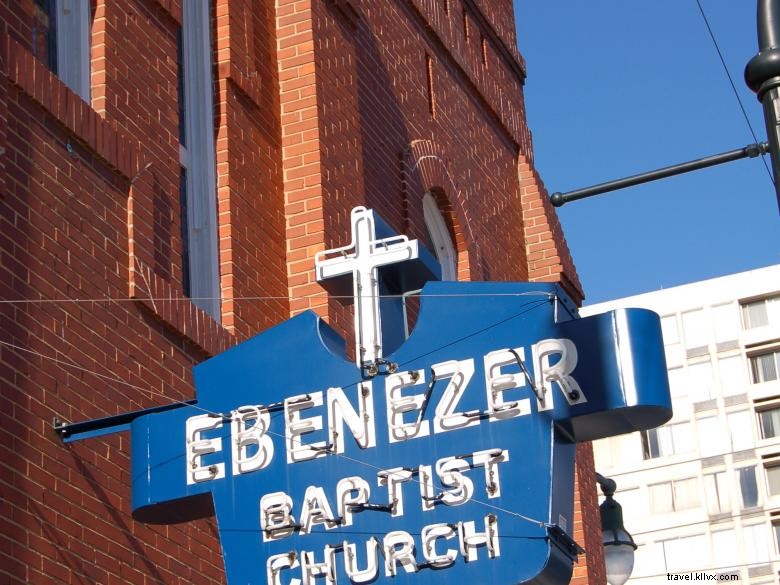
(512, 57)
(172, 8)
(510, 114)
(67, 107)
(549, 258)
(161, 298)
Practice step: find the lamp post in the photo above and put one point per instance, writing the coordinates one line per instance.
(619, 547)
(762, 75)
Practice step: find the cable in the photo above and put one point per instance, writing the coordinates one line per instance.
(733, 87)
(755, 513)
(739, 566)
(673, 463)
(276, 298)
(105, 377)
(184, 403)
(220, 415)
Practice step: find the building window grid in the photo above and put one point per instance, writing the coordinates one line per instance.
(732, 377)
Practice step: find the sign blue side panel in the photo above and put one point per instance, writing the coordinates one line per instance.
(622, 371)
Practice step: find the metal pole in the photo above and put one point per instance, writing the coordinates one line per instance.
(749, 151)
(762, 75)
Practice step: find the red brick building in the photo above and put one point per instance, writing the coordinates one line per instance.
(157, 149)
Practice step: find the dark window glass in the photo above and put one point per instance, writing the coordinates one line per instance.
(776, 528)
(185, 240)
(180, 89)
(650, 447)
(765, 367)
(770, 423)
(748, 487)
(44, 33)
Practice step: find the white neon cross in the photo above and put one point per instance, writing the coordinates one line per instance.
(361, 258)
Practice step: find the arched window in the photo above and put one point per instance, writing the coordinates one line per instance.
(439, 238)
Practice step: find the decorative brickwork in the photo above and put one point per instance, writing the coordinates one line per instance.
(549, 259)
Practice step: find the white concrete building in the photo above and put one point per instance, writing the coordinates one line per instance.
(702, 493)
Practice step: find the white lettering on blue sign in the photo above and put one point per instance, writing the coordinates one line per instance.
(412, 412)
(250, 425)
(397, 549)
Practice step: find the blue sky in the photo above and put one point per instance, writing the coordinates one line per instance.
(615, 88)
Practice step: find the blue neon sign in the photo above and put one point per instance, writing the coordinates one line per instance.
(454, 461)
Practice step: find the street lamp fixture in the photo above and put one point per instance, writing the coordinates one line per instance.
(619, 547)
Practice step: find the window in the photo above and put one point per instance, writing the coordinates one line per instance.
(748, 487)
(44, 33)
(759, 313)
(717, 493)
(634, 506)
(725, 318)
(612, 451)
(732, 375)
(773, 479)
(757, 545)
(712, 439)
(60, 38)
(776, 530)
(200, 258)
(765, 367)
(700, 381)
(740, 430)
(678, 383)
(669, 330)
(667, 440)
(661, 498)
(675, 496)
(439, 238)
(769, 422)
(686, 554)
(696, 328)
(725, 549)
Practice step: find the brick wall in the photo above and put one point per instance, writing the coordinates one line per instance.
(320, 105)
(89, 210)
